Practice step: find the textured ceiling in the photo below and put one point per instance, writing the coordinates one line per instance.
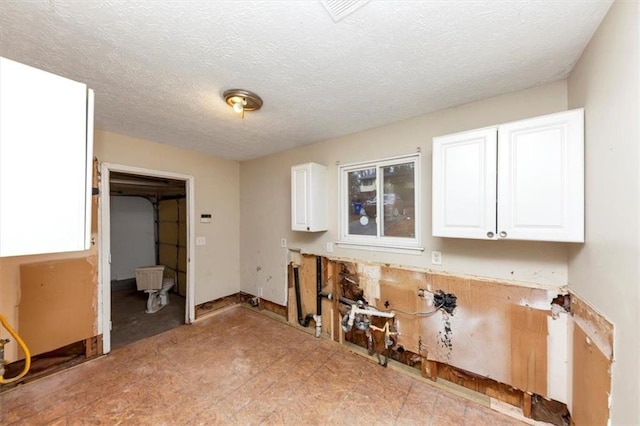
(158, 68)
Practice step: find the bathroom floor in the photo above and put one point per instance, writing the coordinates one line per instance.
(237, 367)
(131, 323)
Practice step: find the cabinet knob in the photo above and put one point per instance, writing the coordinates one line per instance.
(307, 228)
(503, 234)
(490, 234)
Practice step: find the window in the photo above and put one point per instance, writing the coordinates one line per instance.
(379, 204)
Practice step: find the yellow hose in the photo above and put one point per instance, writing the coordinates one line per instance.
(25, 349)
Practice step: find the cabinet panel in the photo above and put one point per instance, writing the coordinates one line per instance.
(522, 180)
(45, 145)
(541, 178)
(299, 193)
(309, 197)
(464, 185)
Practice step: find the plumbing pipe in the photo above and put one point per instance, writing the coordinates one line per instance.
(303, 321)
(25, 349)
(388, 334)
(318, 316)
(349, 319)
(388, 342)
(342, 300)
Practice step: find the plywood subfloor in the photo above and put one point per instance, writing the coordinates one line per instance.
(237, 367)
(131, 323)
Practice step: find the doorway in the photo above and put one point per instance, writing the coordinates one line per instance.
(146, 219)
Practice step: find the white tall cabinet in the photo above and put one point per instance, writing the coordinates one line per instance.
(309, 202)
(46, 150)
(522, 180)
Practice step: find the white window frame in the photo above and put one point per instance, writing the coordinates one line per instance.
(377, 242)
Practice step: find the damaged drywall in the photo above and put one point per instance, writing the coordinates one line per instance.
(510, 341)
(501, 331)
(58, 303)
(592, 356)
(597, 327)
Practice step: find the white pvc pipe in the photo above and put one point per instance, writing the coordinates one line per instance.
(355, 310)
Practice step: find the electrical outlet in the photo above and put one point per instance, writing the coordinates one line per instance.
(201, 241)
(329, 247)
(259, 291)
(283, 242)
(436, 258)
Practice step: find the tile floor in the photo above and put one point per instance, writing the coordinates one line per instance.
(237, 367)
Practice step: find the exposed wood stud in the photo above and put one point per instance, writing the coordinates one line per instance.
(433, 370)
(428, 369)
(291, 305)
(100, 349)
(526, 404)
(88, 347)
(424, 368)
(335, 311)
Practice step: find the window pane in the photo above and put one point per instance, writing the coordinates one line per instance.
(399, 201)
(362, 208)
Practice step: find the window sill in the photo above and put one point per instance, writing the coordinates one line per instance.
(387, 248)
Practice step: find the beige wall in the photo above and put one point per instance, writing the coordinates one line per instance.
(605, 270)
(266, 200)
(216, 192)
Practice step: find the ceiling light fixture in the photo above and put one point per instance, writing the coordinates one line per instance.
(242, 100)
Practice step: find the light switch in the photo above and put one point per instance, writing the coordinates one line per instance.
(201, 241)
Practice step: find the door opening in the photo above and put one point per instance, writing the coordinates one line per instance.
(146, 230)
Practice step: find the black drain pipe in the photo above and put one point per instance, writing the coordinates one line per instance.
(304, 321)
(318, 316)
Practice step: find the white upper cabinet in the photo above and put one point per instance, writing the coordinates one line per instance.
(531, 172)
(541, 178)
(464, 184)
(46, 150)
(309, 203)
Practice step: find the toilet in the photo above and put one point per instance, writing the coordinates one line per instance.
(150, 280)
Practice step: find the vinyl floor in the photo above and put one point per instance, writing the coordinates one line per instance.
(237, 367)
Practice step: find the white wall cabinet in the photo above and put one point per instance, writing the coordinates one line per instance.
(522, 180)
(309, 203)
(46, 150)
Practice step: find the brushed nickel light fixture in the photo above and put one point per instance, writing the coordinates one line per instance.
(242, 100)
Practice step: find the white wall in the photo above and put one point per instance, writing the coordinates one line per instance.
(265, 200)
(605, 270)
(132, 236)
(216, 190)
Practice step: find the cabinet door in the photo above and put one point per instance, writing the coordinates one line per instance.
(300, 185)
(45, 153)
(541, 178)
(318, 198)
(464, 185)
(309, 197)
